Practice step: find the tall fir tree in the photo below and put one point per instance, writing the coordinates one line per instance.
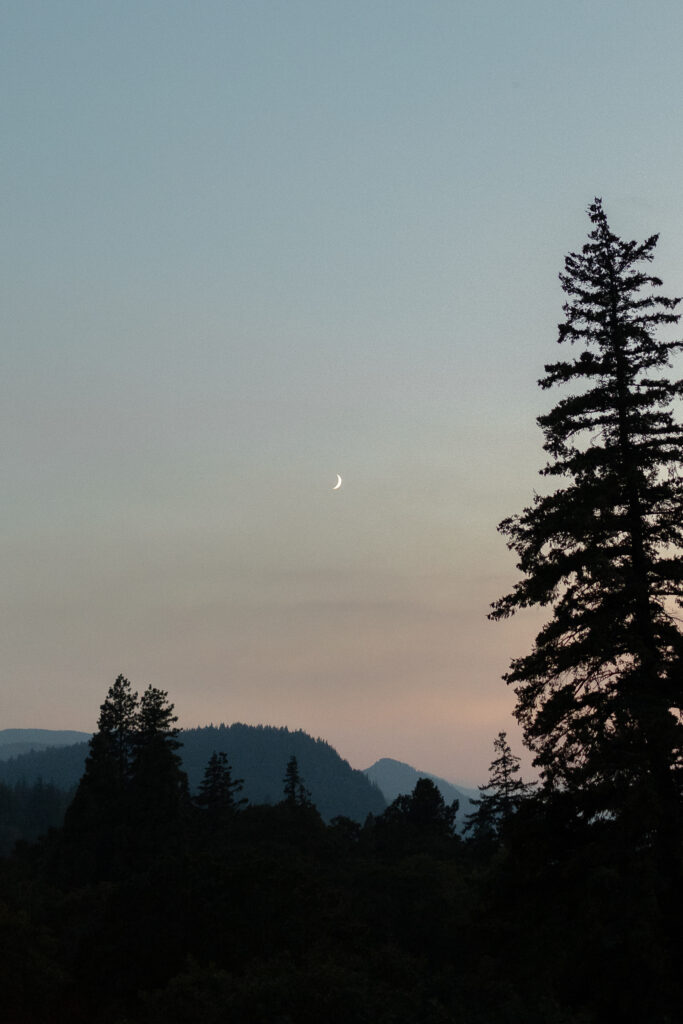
(501, 795)
(159, 785)
(218, 790)
(97, 824)
(600, 696)
(295, 792)
(134, 792)
(102, 788)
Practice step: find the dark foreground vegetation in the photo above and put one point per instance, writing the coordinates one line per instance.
(561, 905)
(149, 906)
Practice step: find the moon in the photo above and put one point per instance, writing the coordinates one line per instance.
(338, 483)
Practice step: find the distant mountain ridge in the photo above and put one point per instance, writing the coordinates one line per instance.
(258, 755)
(395, 778)
(22, 741)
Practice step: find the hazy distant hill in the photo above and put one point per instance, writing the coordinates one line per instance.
(258, 754)
(396, 777)
(22, 741)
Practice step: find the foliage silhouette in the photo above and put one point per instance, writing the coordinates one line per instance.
(295, 793)
(501, 795)
(133, 792)
(218, 789)
(600, 696)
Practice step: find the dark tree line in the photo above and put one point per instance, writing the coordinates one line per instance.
(249, 912)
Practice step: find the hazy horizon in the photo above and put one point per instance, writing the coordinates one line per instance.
(249, 247)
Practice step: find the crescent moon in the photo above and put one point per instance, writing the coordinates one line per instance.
(338, 483)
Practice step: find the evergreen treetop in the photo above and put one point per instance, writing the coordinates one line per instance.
(218, 789)
(501, 795)
(295, 792)
(424, 809)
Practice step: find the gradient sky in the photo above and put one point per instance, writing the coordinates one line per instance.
(248, 246)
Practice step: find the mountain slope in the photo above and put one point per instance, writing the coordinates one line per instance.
(259, 755)
(396, 777)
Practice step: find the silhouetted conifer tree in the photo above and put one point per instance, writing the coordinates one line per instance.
(106, 777)
(295, 792)
(600, 696)
(502, 794)
(218, 789)
(133, 791)
(424, 809)
(158, 783)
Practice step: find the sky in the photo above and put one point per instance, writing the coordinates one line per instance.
(248, 246)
